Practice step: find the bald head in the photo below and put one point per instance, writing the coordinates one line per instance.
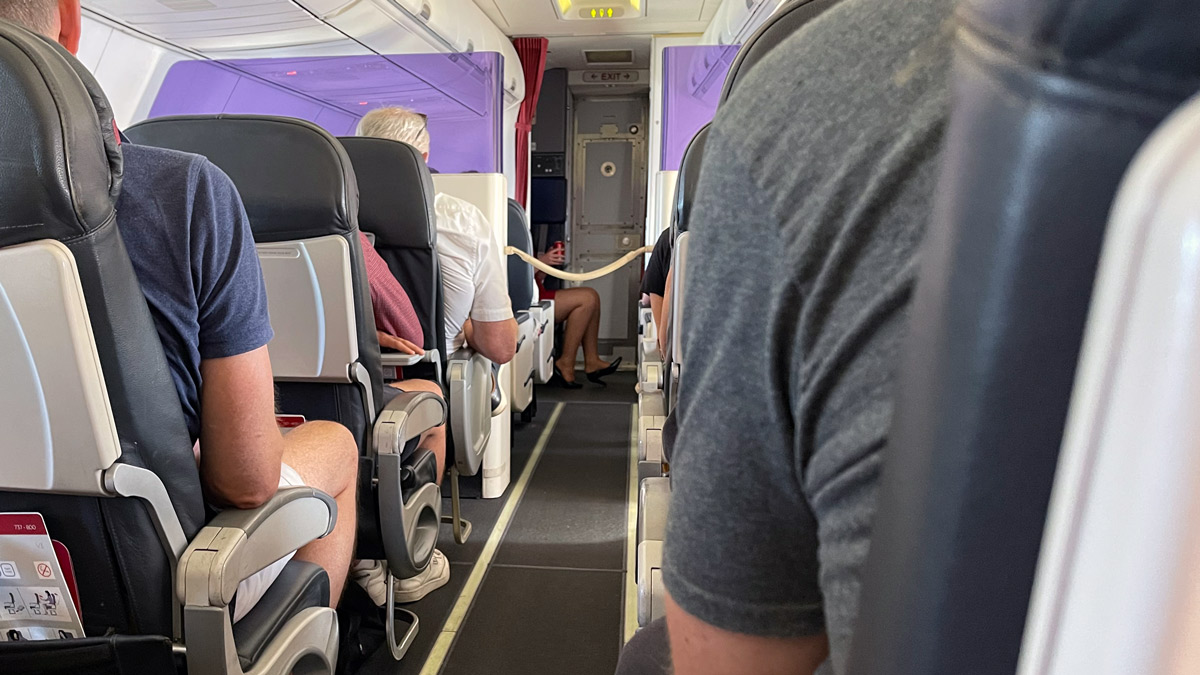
(39, 16)
(58, 20)
(397, 124)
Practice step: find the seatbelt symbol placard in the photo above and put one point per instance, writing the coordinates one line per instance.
(36, 602)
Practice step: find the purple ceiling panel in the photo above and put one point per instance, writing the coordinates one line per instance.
(460, 93)
(692, 82)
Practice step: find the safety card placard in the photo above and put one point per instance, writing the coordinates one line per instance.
(35, 595)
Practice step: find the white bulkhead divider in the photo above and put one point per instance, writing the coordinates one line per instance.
(310, 295)
(487, 191)
(59, 433)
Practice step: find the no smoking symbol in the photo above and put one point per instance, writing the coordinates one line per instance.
(45, 571)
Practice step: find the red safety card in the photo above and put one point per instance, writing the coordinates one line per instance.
(68, 570)
(34, 584)
(289, 421)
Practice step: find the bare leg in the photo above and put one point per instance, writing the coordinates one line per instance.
(433, 440)
(573, 306)
(325, 454)
(591, 335)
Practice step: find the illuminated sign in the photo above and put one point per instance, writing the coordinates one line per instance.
(602, 13)
(610, 76)
(574, 10)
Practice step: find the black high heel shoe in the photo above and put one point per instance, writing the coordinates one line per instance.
(598, 376)
(561, 381)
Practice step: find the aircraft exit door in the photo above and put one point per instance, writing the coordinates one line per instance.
(609, 208)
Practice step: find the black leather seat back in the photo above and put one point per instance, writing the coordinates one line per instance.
(689, 179)
(781, 24)
(297, 184)
(396, 205)
(520, 273)
(60, 176)
(1052, 99)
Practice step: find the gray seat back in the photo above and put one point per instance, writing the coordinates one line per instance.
(88, 398)
(301, 195)
(396, 200)
(689, 179)
(520, 273)
(1052, 99)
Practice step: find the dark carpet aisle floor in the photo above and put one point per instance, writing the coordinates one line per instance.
(550, 603)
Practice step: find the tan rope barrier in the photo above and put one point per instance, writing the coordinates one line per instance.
(578, 276)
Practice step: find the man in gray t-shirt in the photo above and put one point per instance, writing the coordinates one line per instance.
(817, 183)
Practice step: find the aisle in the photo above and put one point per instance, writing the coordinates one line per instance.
(543, 594)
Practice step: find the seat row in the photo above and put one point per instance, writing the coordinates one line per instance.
(106, 459)
(1039, 483)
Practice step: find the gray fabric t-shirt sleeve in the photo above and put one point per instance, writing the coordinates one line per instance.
(741, 541)
(815, 190)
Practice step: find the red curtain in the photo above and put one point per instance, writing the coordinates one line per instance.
(532, 52)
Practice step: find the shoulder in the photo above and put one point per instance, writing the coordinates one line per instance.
(172, 175)
(856, 75)
(459, 215)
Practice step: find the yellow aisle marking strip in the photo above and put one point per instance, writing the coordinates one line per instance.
(631, 589)
(441, 648)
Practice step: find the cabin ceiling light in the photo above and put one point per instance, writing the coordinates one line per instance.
(588, 10)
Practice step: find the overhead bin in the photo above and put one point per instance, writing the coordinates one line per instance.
(459, 93)
(692, 81)
(736, 19)
(220, 24)
(442, 25)
(228, 28)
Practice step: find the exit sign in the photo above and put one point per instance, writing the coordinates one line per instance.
(611, 76)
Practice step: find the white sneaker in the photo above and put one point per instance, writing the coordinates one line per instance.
(434, 577)
(372, 576)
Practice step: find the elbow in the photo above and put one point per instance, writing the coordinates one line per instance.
(505, 354)
(499, 353)
(497, 342)
(244, 494)
(251, 499)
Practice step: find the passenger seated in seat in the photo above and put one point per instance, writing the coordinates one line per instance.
(824, 163)
(477, 307)
(188, 237)
(399, 329)
(579, 309)
(656, 283)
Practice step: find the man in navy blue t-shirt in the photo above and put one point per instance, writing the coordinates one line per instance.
(190, 242)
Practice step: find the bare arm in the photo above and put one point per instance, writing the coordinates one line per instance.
(241, 449)
(664, 316)
(496, 340)
(656, 310)
(700, 649)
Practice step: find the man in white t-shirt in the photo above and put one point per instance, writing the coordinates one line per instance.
(477, 308)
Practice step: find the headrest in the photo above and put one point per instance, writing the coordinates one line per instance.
(1137, 45)
(395, 192)
(518, 227)
(294, 178)
(520, 273)
(689, 178)
(777, 28)
(60, 164)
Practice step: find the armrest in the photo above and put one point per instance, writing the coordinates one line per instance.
(398, 360)
(406, 417)
(238, 543)
(469, 380)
